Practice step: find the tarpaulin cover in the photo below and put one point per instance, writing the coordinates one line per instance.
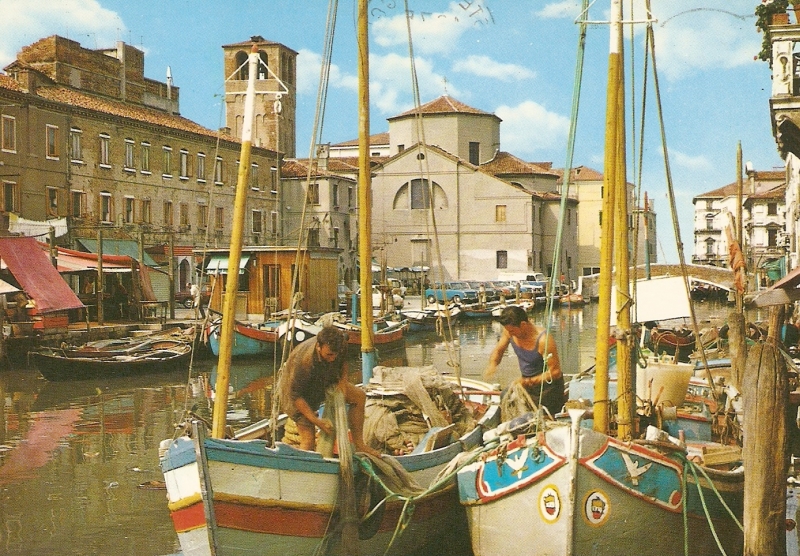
(38, 277)
(77, 261)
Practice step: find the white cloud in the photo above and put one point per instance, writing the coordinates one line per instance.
(697, 163)
(431, 33)
(390, 83)
(565, 8)
(308, 68)
(529, 127)
(484, 66)
(86, 21)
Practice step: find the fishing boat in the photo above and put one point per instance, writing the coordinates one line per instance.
(582, 490)
(260, 338)
(678, 342)
(431, 316)
(113, 359)
(262, 495)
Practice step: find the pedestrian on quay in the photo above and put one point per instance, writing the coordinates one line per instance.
(194, 291)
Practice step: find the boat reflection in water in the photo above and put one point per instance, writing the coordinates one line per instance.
(84, 495)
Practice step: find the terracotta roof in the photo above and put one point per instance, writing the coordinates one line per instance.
(777, 192)
(444, 105)
(8, 83)
(580, 173)
(505, 163)
(125, 110)
(299, 169)
(377, 139)
(764, 181)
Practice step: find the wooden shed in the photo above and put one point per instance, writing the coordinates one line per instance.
(265, 279)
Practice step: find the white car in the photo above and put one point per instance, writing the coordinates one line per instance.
(397, 300)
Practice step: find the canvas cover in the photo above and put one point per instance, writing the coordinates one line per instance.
(31, 267)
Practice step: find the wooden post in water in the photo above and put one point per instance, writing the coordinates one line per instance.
(765, 394)
(737, 347)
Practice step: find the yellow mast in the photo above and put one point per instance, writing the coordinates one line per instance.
(234, 256)
(364, 196)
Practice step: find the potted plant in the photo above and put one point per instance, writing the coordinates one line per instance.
(771, 12)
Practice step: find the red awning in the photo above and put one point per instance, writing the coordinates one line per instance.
(70, 261)
(38, 277)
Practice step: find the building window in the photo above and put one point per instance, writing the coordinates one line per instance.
(184, 216)
(52, 201)
(502, 259)
(10, 196)
(51, 142)
(78, 203)
(75, 150)
(336, 237)
(313, 237)
(184, 163)
(273, 180)
(147, 216)
(254, 177)
(130, 213)
(313, 193)
(105, 151)
(474, 153)
(106, 207)
(202, 216)
(218, 173)
(600, 218)
(166, 162)
(256, 215)
(710, 222)
(500, 213)
(129, 164)
(420, 194)
(569, 217)
(201, 167)
(9, 124)
(400, 148)
(219, 218)
(145, 152)
(336, 195)
(168, 214)
(350, 203)
(772, 238)
(262, 72)
(709, 247)
(273, 223)
(772, 209)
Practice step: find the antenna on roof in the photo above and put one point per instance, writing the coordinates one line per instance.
(169, 82)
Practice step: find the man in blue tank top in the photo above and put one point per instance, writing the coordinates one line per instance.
(537, 356)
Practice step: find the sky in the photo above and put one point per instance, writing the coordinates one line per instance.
(513, 58)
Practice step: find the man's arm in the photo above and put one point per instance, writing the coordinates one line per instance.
(324, 424)
(497, 354)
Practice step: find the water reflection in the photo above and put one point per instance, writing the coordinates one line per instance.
(74, 455)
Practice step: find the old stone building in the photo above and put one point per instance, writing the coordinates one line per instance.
(87, 137)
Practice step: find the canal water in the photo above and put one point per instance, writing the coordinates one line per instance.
(79, 460)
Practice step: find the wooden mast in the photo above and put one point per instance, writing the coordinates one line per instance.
(234, 256)
(613, 104)
(368, 358)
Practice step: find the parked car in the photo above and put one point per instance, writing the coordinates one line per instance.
(397, 286)
(505, 288)
(344, 294)
(397, 300)
(491, 293)
(457, 292)
(184, 297)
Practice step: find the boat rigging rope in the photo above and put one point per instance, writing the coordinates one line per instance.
(302, 237)
(424, 169)
(573, 126)
(673, 206)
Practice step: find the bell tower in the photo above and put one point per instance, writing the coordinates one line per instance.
(274, 124)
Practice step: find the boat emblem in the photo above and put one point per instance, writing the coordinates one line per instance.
(517, 464)
(596, 508)
(634, 471)
(550, 503)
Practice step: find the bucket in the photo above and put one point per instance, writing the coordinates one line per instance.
(673, 377)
